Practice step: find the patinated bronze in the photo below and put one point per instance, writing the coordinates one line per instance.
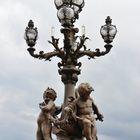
(79, 113)
(47, 116)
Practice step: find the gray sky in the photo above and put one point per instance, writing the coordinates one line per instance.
(115, 77)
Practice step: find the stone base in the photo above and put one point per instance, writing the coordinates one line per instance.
(63, 135)
(60, 137)
(69, 131)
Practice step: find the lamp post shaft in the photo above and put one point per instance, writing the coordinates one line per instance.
(69, 92)
(68, 70)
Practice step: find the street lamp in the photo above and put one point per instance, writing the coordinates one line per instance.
(74, 48)
(31, 34)
(108, 31)
(68, 11)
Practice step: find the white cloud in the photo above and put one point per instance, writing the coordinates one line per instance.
(115, 77)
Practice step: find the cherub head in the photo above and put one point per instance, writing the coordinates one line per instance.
(49, 94)
(84, 90)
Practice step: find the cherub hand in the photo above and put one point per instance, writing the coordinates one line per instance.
(41, 105)
(51, 119)
(56, 122)
(68, 110)
(100, 117)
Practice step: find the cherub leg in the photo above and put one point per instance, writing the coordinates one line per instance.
(94, 132)
(39, 135)
(87, 129)
(46, 130)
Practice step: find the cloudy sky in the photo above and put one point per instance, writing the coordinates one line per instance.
(115, 77)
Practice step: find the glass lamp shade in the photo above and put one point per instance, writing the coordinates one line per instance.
(65, 15)
(112, 31)
(58, 3)
(79, 3)
(76, 9)
(108, 32)
(68, 10)
(31, 35)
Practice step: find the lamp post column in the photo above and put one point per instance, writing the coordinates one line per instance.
(69, 76)
(68, 67)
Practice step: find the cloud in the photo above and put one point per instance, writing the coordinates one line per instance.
(114, 77)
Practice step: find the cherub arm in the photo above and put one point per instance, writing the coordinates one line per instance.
(47, 107)
(58, 110)
(96, 111)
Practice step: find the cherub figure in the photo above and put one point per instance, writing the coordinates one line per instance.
(47, 115)
(84, 110)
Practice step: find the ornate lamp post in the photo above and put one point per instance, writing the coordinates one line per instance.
(69, 54)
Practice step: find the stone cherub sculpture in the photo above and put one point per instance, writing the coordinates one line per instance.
(47, 115)
(83, 110)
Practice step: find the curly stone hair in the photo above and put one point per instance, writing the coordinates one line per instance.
(50, 92)
(84, 88)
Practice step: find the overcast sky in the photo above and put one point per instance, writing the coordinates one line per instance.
(115, 77)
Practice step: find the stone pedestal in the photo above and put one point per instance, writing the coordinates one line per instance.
(60, 137)
(69, 131)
